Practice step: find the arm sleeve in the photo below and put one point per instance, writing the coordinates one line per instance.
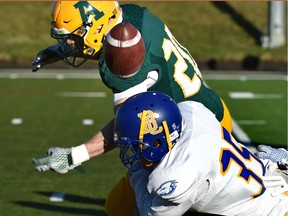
(151, 79)
(152, 204)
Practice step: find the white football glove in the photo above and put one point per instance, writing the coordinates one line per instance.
(275, 178)
(61, 160)
(279, 155)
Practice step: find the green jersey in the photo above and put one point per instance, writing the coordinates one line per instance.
(178, 74)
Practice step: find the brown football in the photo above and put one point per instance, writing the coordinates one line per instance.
(124, 50)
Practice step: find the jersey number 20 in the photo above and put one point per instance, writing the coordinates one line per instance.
(189, 86)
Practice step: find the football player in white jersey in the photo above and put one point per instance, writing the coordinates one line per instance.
(180, 158)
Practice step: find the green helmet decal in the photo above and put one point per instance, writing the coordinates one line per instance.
(81, 5)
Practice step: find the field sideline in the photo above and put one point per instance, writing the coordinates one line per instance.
(63, 108)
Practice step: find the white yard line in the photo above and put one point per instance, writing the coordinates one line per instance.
(82, 94)
(16, 121)
(251, 95)
(252, 76)
(94, 74)
(49, 74)
(57, 197)
(251, 122)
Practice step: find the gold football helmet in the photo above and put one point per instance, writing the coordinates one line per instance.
(80, 27)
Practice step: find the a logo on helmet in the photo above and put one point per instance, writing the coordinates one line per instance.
(86, 10)
(151, 125)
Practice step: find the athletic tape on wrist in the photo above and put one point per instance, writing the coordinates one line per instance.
(79, 154)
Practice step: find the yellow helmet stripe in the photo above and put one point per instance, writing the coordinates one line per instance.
(167, 134)
(142, 127)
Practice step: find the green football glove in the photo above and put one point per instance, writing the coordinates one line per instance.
(47, 56)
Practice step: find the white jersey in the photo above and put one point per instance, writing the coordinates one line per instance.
(206, 171)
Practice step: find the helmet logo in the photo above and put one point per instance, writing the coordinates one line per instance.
(151, 125)
(86, 9)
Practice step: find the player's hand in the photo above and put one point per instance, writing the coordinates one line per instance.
(46, 56)
(58, 160)
(279, 155)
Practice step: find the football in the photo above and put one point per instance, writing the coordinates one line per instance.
(124, 50)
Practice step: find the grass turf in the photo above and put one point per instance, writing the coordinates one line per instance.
(49, 121)
(272, 112)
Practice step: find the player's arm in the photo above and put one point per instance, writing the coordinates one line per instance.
(62, 160)
(53, 54)
(151, 79)
(102, 141)
(151, 203)
(163, 192)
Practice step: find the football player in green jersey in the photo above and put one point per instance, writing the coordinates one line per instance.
(80, 28)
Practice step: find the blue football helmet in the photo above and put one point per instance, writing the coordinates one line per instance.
(147, 125)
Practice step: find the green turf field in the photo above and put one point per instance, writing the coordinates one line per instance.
(262, 111)
(52, 119)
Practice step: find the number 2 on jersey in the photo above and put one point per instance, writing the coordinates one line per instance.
(227, 157)
(189, 86)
